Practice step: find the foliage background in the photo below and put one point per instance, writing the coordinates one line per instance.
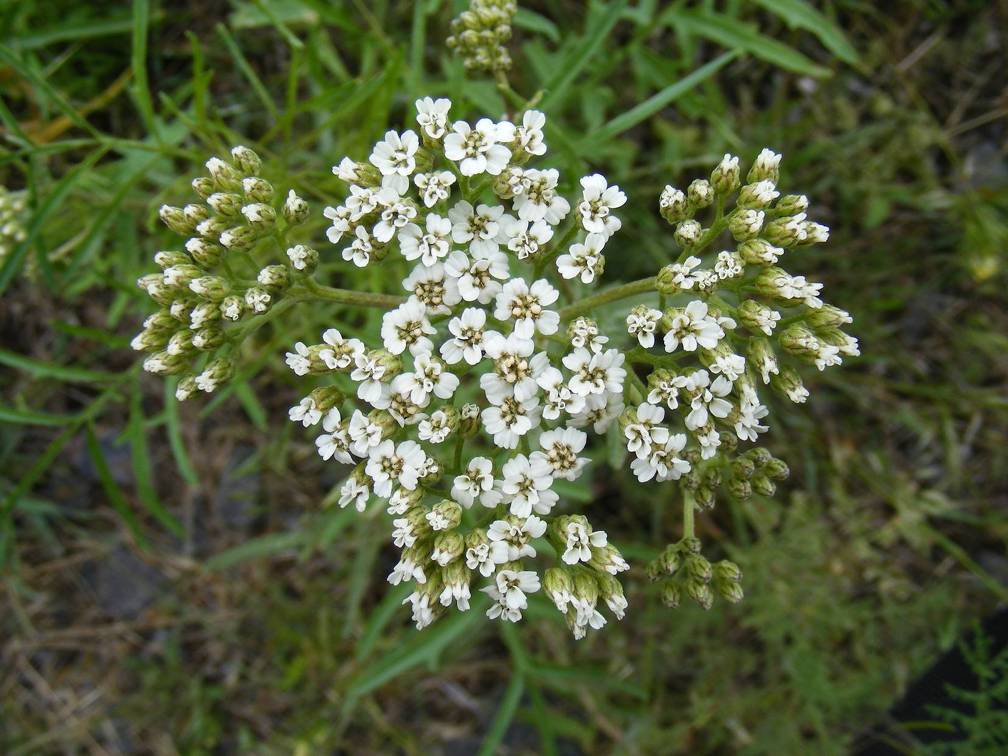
(173, 581)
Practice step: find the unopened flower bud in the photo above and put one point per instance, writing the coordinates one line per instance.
(208, 339)
(246, 160)
(673, 205)
(828, 316)
(697, 567)
(790, 384)
(295, 209)
(179, 276)
(167, 258)
(762, 485)
(257, 189)
(758, 195)
(224, 175)
(213, 288)
(231, 307)
(700, 592)
(216, 373)
(730, 591)
(448, 547)
(175, 219)
(274, 278)
(211, 228)
(203, 314)
(186, 388)
(225, 203)
(759, 252)
(745, 223)
(238, 237)
(204, 186)
(204, 252)
(791, 204)
(469, 422)
(688, 233)
(180, 344)
(700, 193)
(740, 489)
(670, 595)
(326, 397)
(259, 214)
(765, 167)
(725, 177)
(786, 231)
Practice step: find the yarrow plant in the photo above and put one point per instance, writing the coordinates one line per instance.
(12, 228)
(478, 397)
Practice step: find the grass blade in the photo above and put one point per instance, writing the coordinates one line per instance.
(798, 14)
(505, 713)
(41, 369)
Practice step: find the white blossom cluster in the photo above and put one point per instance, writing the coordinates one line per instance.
(730, 322)
(477, 399)
(219, 277)
(12, 228)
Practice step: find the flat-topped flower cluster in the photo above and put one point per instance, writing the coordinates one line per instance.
(477, 399)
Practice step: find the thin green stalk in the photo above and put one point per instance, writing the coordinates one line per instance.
(346, 296)
(610, 295)
(687, 514)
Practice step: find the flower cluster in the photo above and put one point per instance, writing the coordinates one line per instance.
(227, 271)
(480, 34)
(477, 399)
(12, 229)
(729, 322)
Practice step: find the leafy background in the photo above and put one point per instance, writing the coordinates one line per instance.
(173, 579)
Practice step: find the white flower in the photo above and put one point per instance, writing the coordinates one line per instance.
(364, 434)
(526, 305)
(582, 259)
(516, 369)
(340, 352)
(510, 540)
(407, 326)
(467, 337)
(429, 247)
(539, 199)
(748, 425)
(584, 332)
(396, 154)
(369, 372)
(458, 592)
(334, 444)
(683, 276)
(708, 398)
(407, 569)
(257, 300)
(728, 265)
(525, 240)
(480, 227)
(474, 483)
(510, 419)
(347, 170)
(730, 365)
(598, 373)
(523, 482)
(667, 390)
(599, 411)
(305, 412)
(559, 398)
(341, 223)
(560, 449)
(475, 278)
(477, 150)
(641, 322)
(429, 376)
(361, 248)
(298, 255)
(361, 201)
(640, 434)
(436, 291)
(423, 613)
(580, 538)
(508, 594)
(299, 360)
(389, 464)
(481, 557)
(432, 116)
(435, 186)
(597, 201)
(662, 462)
(396, 216)
(529, 135)
(354, 492)
(693, 327)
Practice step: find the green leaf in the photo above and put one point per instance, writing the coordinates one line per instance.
(264, 546)
(798, 14)
(253, 408)
(16, 416)
(565, 75)
(740, 36)
(136, 435)
(112, 490)
(247, 71)
(505, 713)
(182, 461)
(138, 64)
(656, 102)
(41, 369)
(532, 21)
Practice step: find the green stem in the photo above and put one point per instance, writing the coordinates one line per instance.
(687, 514)
(610, 295)
(346, 296)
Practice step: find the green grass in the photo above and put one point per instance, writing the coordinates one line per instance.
(274, 629)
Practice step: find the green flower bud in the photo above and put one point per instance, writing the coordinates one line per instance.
(257, 189)
(195, 214)
(208, 339)
(164, 363)
(725, 177)
(303, 259)
(790, 384)
(698, 568)
(692, 545)
(785, 231)
(180, 344)
(673, 205)
(213, 288)
(185, 388)
(231, 307)
(745, 223)
(216, 372)
(740, 489)
(762, 485)
(203, 314)
(704, 496)
(688, 233)
(765, 167)
(224, 175)
(274, 278)
(238, 237)
(776, 469)
(326, 397)
(791, 204)
(670, 595)
(260, 215)
(558, 584)
(448, 547)
(205, 253)
(246, 160)
(669, 560)
(757, 195)
(180, 308)
(257, 299)
(700, 193)
(166, 259)
(175, 219)
(727, 570)
(225, 203)
(742, 468)
(204, 186)
(211, 228)
(730, 591)
(469, 420)
(295, 209)
(828, 316)
(700, 592)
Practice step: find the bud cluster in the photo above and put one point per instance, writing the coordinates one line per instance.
(481, 33)
(684, 571)
(730, 320)
(224, 272)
